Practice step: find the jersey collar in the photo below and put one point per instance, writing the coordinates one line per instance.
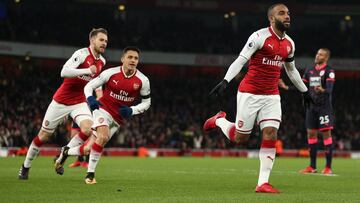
(317, 67)
(123, 72)
(274, 33)
(92, 54)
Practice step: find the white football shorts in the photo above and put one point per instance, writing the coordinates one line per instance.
(56, 113)
(266, 109)
(102, 118)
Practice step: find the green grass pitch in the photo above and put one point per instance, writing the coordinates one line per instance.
(178, 180)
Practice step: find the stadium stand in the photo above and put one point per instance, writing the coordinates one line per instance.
(169, 31)
(176, 116)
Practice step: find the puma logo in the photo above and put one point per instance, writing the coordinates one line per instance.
(115, 81)
(269, 157)
(271, 46)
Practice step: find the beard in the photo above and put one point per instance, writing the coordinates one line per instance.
(281, 26)
(319, 61)
(99, 50)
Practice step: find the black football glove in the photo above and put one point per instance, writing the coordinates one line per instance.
(93, 103)
(125, 111)
(219, 89)
(307, 99)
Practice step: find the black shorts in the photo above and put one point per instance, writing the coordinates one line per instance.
(320, 118)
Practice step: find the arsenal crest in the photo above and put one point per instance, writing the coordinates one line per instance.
(46, 123)
(136, 86)
(101, 120)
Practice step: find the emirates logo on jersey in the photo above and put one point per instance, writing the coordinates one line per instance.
(123, 96)
(136, 86)
(276, 61)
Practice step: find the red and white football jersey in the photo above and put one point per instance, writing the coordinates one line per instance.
(266, 53)
(71, 90)
(122, 90)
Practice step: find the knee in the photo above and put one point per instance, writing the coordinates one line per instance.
(87, 131)
(102, 139)
(44, 136)
(241, 138)
(86, 128)
(326, 134)
(270, 133)
(312, 133)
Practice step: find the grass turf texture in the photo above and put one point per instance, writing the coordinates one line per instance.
(178, 180)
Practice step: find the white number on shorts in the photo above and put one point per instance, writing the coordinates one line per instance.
(324, 119)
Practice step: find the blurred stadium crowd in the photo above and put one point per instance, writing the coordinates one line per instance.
(158, 28)
(175, 118)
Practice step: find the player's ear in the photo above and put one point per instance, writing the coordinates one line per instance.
(271, 18)
(92, 40)
(122, 59)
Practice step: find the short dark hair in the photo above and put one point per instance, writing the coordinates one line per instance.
(328, 52)
(272, 7)
(96, 31)
(131, 48)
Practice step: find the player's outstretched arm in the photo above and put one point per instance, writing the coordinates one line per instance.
(88, 91)
(70, 72)
(70, 68)
(251, 46)
(99, 81)
(233, 70)
(96, 83)
(145, 99)
(92, 85)
(126, 112)
(294, 76)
